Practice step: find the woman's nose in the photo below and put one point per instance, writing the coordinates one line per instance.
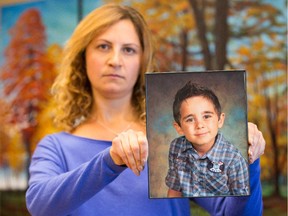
(115, 58)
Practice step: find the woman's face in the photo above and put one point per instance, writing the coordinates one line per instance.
(113, 61)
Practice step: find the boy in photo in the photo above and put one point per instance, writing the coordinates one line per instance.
(201, 161)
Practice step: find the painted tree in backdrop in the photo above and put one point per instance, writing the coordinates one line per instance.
(4, 136)
(211, 34)
(26, 74)
(264, 56)
(48, 112)
(12, 153)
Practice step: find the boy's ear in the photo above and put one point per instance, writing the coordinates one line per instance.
(221, 120)
(178, 128)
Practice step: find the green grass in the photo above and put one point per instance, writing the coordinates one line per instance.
(268, 189)
(275, 212)
(13, 203)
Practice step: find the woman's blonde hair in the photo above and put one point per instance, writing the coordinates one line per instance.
(72, 89)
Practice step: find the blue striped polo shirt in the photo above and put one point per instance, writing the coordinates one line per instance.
(221, 171)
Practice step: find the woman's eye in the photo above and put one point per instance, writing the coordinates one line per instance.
(103, 47)
(129, 50)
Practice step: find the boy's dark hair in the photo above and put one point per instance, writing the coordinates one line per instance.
(191, 90)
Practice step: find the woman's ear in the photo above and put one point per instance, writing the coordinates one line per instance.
(221, 120)
(178, 128)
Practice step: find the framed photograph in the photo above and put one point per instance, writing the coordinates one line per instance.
(197, 133)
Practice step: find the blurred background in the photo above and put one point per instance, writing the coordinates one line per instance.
(190, 35)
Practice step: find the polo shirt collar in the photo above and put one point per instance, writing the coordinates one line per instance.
(210, 154)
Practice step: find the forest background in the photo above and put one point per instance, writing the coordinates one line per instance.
(191, 35)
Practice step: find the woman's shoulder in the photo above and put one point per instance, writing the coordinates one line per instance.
(54, 139)
(67, 137)
(56, 135)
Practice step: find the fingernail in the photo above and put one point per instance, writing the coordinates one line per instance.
(136, 172)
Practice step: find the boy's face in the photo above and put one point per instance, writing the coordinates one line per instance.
(199, 121)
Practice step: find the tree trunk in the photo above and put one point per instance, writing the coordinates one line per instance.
(272, 123)
(184, 38)
(201, 31)
(221, 33)
(80, 9)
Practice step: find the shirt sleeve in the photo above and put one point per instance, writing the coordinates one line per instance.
(172, 180)
(239, 176)
(235, 206)
(55, 191)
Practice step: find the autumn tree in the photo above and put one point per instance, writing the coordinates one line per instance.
(220, 31)
(268, 100)
(26, 73)
(4, 136)
(12, 155)
(261, 34)
(48, 112)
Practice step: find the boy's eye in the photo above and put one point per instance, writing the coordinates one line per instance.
(207, 116)
(190, 120)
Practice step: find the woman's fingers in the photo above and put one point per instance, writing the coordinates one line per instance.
(130, 148)
(117, 153)
(256, 142)
(143, 145)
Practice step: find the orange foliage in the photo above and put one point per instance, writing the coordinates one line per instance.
(27, 75)
(244, 51)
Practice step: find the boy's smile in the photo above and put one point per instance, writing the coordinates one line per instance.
(199, 122)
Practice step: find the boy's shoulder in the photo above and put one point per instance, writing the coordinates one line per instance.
(178, 140)
(178, 144)
(223, 143)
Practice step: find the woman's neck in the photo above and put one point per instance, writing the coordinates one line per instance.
(108, 118)
(113, 111)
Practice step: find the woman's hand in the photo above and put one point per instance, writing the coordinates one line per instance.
(130, 148)
(256, 142)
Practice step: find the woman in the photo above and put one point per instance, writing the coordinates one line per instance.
(101, 96)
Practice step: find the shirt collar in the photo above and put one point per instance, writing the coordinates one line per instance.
(210, 154)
